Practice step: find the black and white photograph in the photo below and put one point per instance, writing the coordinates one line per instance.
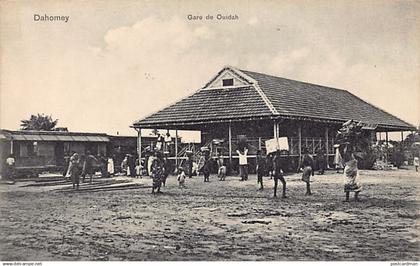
(209, 131)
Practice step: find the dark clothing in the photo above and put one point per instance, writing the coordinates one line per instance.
(269, 164)
(167, 166)
(307, 160)
(157, 174)
(260, 165)
(75, 172)
(166, 170)
(260, 169)
(189, 167)
(132, 165)
(277, 164)
(307, 164)
(243, 172)
(104, 167)
(9, 172)
(206, 168)
(322, 162)
(89, 165)
(66, 165)
(278, 175)
(282, 180)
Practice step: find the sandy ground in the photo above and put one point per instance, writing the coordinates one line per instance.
(228, 220)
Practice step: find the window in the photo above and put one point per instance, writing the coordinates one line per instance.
(227, 82)
(27, 149)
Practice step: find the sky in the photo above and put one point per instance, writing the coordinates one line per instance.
(115, 62)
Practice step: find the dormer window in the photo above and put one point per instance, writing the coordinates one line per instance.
(227, 82)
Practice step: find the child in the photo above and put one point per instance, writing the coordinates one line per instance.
(74, 170)
(207, 165)
(416, 163)
(260, 169)
(221, 173)
(181, 177)
(124, 166)
(138, 168)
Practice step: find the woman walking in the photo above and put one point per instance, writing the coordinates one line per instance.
(307, 164)
(157, 173)
(351, 175)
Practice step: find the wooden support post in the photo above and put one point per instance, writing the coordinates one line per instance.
(139, 144)
(313, 146)
(176, 148)
(259, 143)
(327, 144)
(402, 136)
(275, 130)
(11, 147)
(300, 138)
(230, 144)
(386, 144)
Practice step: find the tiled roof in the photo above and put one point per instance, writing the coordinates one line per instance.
(289, 98)
(219, 104)
(300, 99)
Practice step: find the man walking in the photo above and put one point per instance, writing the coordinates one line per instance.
(243, 164)
(278, 174)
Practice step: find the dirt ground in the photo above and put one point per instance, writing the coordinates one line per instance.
(119, 219)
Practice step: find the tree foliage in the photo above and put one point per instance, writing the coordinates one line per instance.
(355, 141)
(39, 122)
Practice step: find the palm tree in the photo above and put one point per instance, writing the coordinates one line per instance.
(39, 122)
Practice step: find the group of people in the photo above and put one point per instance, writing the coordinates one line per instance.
(272, 165)
(160, 170)
(85, 165)
(164, 142)
(130, 166)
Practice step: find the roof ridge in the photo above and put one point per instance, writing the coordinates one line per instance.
(266, 99)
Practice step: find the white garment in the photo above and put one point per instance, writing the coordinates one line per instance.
(168, 139)
(243, 160)
(194, 168)
(10, 161)
(110, 166)
(416, 161)
(149, 165)
(181, 178)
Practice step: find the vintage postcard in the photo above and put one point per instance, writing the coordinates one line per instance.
(265, 130)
